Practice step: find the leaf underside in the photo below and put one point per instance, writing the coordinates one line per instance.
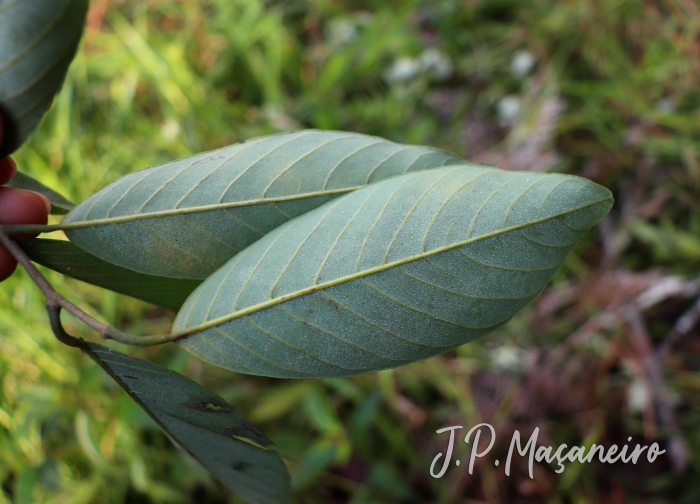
(403, 269)
(186, 218)
(39, 40)
(203, 424)
(64, 257)
(59, 204)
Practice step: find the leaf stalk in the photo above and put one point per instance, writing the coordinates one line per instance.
(55, 302)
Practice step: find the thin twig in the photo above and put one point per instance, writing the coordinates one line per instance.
(641, 342)
(682, 327)
(667, 287)
(55, 302)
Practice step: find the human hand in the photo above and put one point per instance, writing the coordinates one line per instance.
(17, 206)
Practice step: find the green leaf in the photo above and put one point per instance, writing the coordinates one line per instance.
(38, 40)
(65, 257)
(203, 425)
(185, 219)
(403, 269)
(59, 204)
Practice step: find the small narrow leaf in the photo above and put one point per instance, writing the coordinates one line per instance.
(38, 42)
(64, 257)
(59, 204)
(185, 219)
(203, 425)
(403, 269)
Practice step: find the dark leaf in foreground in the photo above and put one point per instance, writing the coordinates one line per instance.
(202, 424)
(39, 40)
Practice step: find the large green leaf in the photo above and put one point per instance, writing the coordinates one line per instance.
(38, 39)
(59, 204)
(403, 269)
(64, 257)
(185, 219)
(202, 424)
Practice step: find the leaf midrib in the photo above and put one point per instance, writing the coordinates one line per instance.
(376, 269)
(203, 208)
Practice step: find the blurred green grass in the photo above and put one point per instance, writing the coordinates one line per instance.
(611, 95)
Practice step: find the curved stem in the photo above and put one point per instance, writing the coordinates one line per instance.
(57, 327)
(55, 302)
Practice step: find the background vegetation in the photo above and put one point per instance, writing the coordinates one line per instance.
(606, 89)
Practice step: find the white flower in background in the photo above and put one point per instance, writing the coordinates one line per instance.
(402, 70)
(667, 105)
(638, 395)
(437, 64)
(508, 358)
(345, 30)
(341, 32)
(508, 109)
(522, 63)
(431, 62)
(170, 129)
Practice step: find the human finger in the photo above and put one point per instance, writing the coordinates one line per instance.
(7, 169)
(18, 206)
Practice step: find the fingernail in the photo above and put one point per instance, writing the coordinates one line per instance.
(44, 199)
